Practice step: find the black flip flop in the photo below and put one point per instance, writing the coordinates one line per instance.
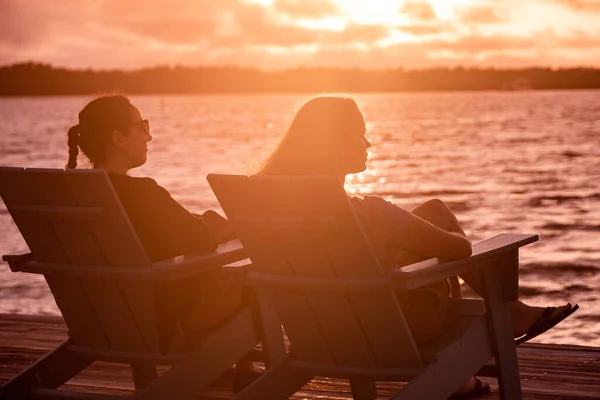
(545, 322)
(481, 388)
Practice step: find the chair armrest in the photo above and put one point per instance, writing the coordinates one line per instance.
(434, 270)
(167, 270)
(189, 265)
(16, 260)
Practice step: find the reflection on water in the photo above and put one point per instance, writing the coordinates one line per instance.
(503, 161)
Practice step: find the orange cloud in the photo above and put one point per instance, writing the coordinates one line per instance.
(427, 29)
(312, 9)
(581, 5)
(480, 15)
(419, 10)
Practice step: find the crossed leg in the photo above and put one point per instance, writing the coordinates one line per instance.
(524, 316)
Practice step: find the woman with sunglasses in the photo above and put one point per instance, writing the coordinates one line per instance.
(114, 136)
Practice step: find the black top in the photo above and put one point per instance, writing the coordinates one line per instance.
(164, 227)
(167, 230)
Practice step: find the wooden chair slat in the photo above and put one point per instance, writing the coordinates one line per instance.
(141, 299)
(111, 307)
(77, 311)
(37, 187)
(120, 246)
(386, 329)
(16, 190)
(293, 308)
(61, 212)
(333, 311)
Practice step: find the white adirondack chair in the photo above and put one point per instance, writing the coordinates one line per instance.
(338, 306)
(106, 289)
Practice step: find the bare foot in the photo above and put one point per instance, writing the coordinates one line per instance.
(524, 316)
(467, 386)
(473, 387)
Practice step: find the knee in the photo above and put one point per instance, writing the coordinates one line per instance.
(436, 212)
(435, 205)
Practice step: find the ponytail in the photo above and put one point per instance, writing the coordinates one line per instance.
(73, 143)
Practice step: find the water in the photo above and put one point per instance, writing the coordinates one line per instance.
(504, 162)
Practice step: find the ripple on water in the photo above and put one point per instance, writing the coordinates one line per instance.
(553, 269)
(541, 201)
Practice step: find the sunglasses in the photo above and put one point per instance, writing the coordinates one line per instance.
(144, 124)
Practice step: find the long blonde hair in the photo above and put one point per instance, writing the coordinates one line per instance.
(314, 138)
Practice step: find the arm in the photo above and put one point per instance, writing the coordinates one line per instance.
(409, 232)
(165, 228)
(220, 225)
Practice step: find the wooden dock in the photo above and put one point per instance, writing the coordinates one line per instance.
(547, 371)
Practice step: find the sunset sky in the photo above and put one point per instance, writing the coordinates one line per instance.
(275, 34)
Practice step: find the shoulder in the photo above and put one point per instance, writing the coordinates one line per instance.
(145, 185)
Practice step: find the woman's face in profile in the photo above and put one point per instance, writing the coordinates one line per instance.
(135, 142)
(353, 152)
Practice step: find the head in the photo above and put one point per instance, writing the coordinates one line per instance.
(327, 136)
(111, 133)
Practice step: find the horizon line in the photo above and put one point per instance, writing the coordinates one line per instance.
(300, 67)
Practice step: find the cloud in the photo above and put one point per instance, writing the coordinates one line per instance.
(361, 33)
(476, 43)
(427, 29)
(23, 24)
(480, 15)
(139, 33)
(311, 9)
(420, 10)
(577, 39)
(180, 21)
(581, 5)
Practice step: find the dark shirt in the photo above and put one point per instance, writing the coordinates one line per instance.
(164, 227)
(167, 230)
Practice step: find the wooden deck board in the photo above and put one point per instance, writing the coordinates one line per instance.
(549, 372)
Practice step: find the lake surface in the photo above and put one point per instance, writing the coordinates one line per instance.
(526, 162)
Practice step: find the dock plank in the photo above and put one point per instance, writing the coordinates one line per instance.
(548, 372)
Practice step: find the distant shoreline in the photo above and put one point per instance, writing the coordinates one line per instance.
(35, 79)
(341, 92)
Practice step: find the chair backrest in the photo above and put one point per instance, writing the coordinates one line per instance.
(74, 217)
(304, 228)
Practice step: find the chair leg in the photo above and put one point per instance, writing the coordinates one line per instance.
(271, 332)
(500, 325)
(281, 381)
(143, 374)
(363, 390)
(215, 354)
(50, 371)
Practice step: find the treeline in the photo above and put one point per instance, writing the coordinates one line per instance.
(42, 79)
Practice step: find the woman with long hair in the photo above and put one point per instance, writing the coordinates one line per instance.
(327, 137)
